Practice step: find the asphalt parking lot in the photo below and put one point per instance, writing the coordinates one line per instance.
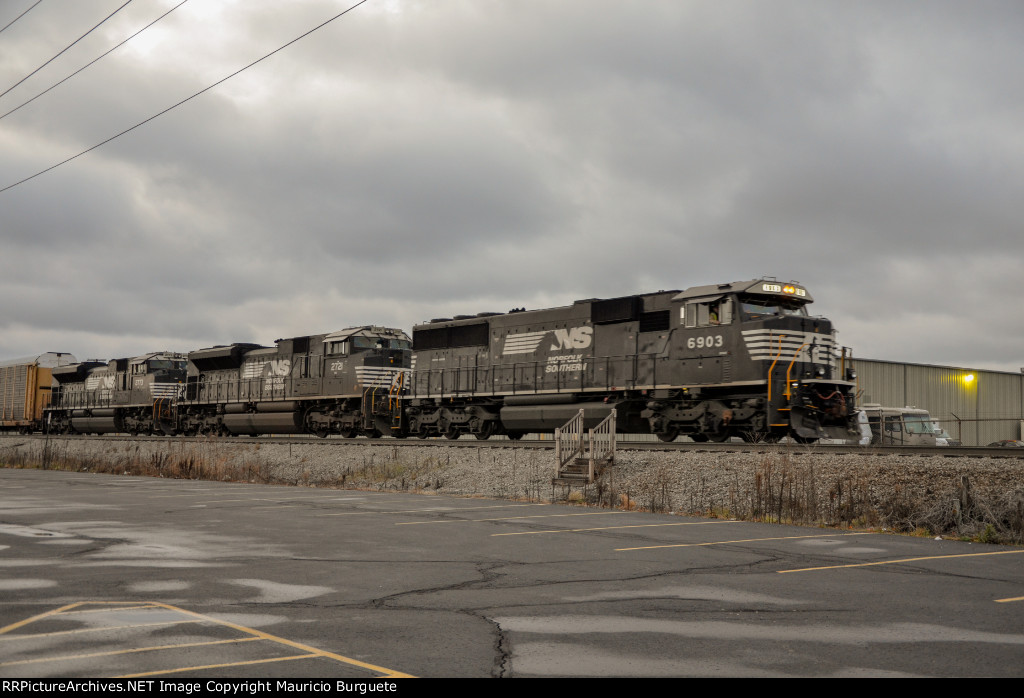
(105, 576)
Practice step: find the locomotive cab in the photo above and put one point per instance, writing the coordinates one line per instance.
(753, 362)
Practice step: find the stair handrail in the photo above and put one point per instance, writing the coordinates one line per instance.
(569, 442)
(601, 444)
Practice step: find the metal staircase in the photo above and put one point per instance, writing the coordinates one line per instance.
(581, 455)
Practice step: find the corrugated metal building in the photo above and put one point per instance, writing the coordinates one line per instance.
(974, 405)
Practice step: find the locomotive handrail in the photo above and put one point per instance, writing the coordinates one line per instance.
(771, 370)
(796, 355)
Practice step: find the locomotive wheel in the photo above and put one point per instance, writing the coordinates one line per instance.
(699, 438)
(452, 433)
(486, 429)
(669, 435)
(349, 433)
(422, 434)
(320, 433)
(719, 436)
(515, 435)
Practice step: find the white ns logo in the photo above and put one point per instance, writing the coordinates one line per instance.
(279, 367)
(573, 338)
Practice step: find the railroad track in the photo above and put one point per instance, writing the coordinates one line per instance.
(548, 444)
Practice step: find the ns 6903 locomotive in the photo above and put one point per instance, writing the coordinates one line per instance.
(742, 359)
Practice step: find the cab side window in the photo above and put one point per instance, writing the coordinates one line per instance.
(709, 313)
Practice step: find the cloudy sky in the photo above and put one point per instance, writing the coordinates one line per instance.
(421, 159)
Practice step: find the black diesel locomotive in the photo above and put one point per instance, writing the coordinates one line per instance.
(135, 396)
(347, 382)
(743, 359)
(710, 362)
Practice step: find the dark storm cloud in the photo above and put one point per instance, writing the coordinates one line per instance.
(422, 159)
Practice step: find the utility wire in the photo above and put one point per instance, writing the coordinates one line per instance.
(21, 15)
(205, 89)
(64, 49)
(2, 116)
(187, 99)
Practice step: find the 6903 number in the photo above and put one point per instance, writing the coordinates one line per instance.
(714, 340)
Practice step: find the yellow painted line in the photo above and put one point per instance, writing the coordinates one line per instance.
(291, 643)
(612, 528)
(747, 540)
(182, 495)
(1015, 598)
(91, 655)
(218, 666)
(296, 500)
(426, 511)
(198, 618)
(505, 518)
(255, 499)
(27, 636)
(135, 607)
(33, 619)
(908, 559)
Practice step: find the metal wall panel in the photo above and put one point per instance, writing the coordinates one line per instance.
(986, 407)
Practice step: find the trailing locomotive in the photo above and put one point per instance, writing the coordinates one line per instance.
(135, 396)
(347, 382)
(710, 362)
(740, 359)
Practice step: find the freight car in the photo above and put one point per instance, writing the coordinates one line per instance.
(348, 382)
(132, 395)
(25, 390)
(743, 358)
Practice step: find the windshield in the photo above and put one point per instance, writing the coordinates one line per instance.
(359, 343)
(918, 424)
(758, 308)
(165, 364)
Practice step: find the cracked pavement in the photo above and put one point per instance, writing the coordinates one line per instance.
(112, 576)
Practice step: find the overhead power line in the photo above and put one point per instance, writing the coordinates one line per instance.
(111, 50)
(64, 49)
(21, 15)
(187, 99)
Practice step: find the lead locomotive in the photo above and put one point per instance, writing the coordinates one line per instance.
(710, 362)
